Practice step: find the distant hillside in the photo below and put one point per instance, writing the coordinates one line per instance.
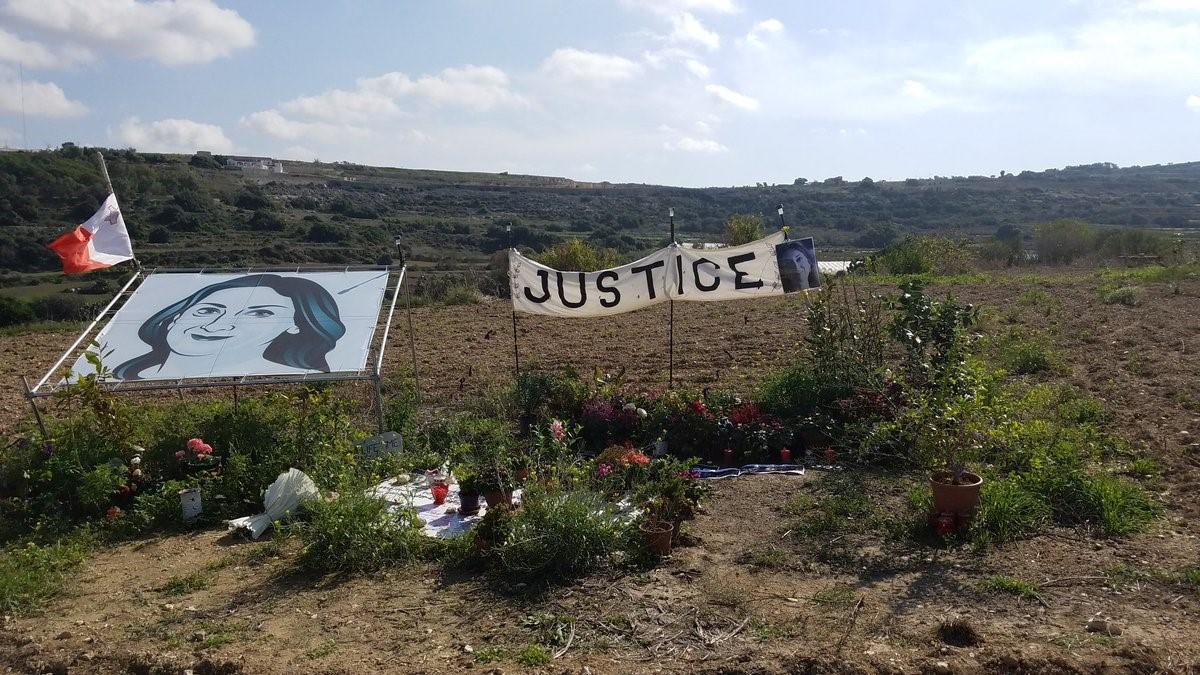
(187, 210)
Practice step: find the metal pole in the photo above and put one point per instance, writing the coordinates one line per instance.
(37, 414)
(412, 339)
(782, 224)
(379, 401)
(671, 317)
(87, 330)
(516, 352)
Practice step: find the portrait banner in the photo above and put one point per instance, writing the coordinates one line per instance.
(193, 325)
(769, 266)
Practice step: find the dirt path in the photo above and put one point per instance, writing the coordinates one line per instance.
(707, 609)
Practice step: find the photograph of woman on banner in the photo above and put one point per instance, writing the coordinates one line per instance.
(798, 265)
(240, 323)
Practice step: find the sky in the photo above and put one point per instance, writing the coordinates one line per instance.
(677, 92)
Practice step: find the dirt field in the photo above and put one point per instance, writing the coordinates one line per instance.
(710, 608)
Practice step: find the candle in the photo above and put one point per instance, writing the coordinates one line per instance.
(785, 456)
(439, 490)
(728, 456)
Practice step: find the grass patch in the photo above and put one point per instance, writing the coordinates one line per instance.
(1144, 467)
(357, 533)
(834, 596)
(321, 651)
(32, 573)
(534, 656)
(1010, 585)
(1021, 355)
(37, 327)
(768, 558)
(187, 583)
(490, 655)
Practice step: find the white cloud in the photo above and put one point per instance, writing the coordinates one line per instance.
(915, 89)
(732, 97)
(686, 28)
(172, 32)
(761, 30)
(30, 54)
(1169, 6)
(173, 135)
(668, 7)
(697, 68)
(274, 124)
(475, 87)
(576, 65)
(1193, 102)
(39, 98)
(1097, 56)
(700, 145)
(339, 105)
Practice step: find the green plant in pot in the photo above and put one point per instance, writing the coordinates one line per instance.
(950, 443)
(469, 487)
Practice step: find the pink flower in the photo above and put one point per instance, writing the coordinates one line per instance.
(205, 449)
(195, 444)
(113, 513)
(180, 454)
(556, 430)
(603, 470)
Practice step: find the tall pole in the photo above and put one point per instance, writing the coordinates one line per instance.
(671, 316)
(782, 224)
(104, 171)
(516, 353)
(36, 413)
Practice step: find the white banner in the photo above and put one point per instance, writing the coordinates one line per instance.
(185, 325)
(770, 266)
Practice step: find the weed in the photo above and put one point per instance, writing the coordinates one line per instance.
(1008, 509)
(1010, 585)
(550, 629)
(834, 596)
(557, 536)
(1144, 467)
(1027, 356)
(186, 583)
(321, 651)
(725, 596)
(32, 573)
(767, 558)
(462, 294)
(356, 533)
(1191, 576)
(1130, 296)
(490, 655)
(534, 656)
(766, 630)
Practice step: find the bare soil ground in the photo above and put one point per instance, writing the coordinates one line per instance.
(855, 605)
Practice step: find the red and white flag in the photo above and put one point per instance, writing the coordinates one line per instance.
(100, 242)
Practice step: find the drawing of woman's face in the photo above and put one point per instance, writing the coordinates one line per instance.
(237, 322)
(800, 260)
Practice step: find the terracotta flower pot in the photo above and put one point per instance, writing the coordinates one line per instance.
(468, 503)
(961, 499)
(658, 537)
(496, 497)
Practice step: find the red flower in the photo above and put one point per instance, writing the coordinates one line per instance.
(113, 513)
(744, 414)
(698, 407)
(180, 455)
(634, 457)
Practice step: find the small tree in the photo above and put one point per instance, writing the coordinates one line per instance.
(1062, 241)
(578, 256)
(743, 228)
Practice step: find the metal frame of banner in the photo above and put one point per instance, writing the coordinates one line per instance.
(671, 316)
(370, 373)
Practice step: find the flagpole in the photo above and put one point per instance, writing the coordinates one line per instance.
(108, 183)
(104, 171)
(671, 317)
(516, 353)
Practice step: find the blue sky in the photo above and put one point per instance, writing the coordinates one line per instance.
(684, 92)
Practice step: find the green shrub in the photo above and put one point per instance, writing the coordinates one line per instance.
(534, 656)
(462, 294)
(1074, 497)
(357, 533)
(743, 228)
(578, 256)
(1130, 296)
(1010, 585)
(559, 536)
(924, 255)
(1021, 355)
(1063, 241)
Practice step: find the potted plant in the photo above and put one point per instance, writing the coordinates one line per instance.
(658, 533)
(468, 491)
(949, 442)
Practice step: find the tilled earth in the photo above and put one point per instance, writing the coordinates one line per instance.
(706, 609)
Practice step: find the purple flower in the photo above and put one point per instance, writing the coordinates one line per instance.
(556, 430)
(603, 470)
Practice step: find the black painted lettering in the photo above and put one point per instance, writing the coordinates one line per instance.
(679, 270)
(649, 270)
(738, 282)
(696, 274)
(582, 292)
(545, 288)
(616, 299)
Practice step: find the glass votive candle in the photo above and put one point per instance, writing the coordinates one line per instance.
(439, 490)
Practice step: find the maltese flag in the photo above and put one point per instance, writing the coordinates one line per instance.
(100, 242)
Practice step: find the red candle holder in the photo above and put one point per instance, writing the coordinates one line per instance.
(728, 456)
(440, 490)
(785, 456)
